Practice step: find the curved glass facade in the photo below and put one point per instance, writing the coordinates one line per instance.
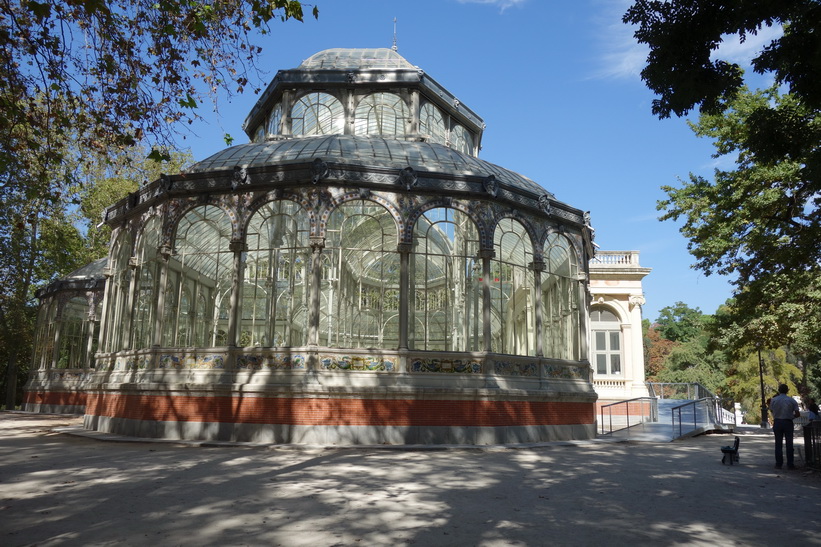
(359, 287)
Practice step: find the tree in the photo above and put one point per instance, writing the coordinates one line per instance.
(82, 80)
(42, 239)
(107, 180)
(745, 384)
(658, 350)
(761, 221)
(103, 74)
(679, 322)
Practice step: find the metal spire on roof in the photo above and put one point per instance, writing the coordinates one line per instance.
(394, 35)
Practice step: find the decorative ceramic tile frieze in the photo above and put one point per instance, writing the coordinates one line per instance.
(67, 375)
(565, 372)
(274, 361)
(454, 366)
(140, 362)
(502, 368)
(356, 362)
(171, 362)
(205, 362)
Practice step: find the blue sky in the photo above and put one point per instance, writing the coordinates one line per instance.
(557, 83)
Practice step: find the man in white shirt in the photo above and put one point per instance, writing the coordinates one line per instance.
(784, 409)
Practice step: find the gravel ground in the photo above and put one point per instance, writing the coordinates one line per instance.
(58, 488)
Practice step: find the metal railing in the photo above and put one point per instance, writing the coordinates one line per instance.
(708, 411)
(629, 413)
(679, 390)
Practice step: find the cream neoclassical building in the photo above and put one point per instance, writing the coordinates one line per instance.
(616, 342)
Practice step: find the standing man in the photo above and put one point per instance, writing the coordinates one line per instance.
(784, 409)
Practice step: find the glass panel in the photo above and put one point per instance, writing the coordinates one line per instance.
(73, 334)
(614, 341)
(601, 341)
(461, 140)
(117, 287)
(432, 124)
(560, 300)
(381, 114)
(601, 364)
(615, 364)
(512, 317)
(203, 265)
(45, 326)
(274, 295)
(147, 274)
(275, 120)
(446, 283)
(360, 278)
(607, 316)
(317, 114)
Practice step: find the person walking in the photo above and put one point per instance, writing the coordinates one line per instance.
(784, 409)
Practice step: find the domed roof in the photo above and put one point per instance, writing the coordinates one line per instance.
(355, 59)
(365, 151)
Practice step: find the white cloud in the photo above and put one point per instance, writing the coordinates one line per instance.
(503, 4)
(733, 50)
(619, 55)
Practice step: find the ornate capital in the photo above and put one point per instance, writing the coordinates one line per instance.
(317, 244)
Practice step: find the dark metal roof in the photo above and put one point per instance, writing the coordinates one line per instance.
(366, 152)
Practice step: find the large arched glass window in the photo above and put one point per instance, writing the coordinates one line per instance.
(381, 114)
(143, 311)
(274, 292)
(511, 291)
(117, 286)
(200, 271)
(360, 279)
(432, 124)
(446, 283)
(606, 330)
(560, 299)
(317, 114)
(74, 333)
(461, 140)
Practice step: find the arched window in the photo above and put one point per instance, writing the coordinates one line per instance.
(606, 330)
(275, 288)
(46, 322)
(74, 327)
(446, 283)
(199, 272)
(317, 114)
(432, 124)
(275, 120)
(560, 299)
(381, 114)
(143, 310)
(117, 287)
(360, 278)
(461, 140)
(511, 291)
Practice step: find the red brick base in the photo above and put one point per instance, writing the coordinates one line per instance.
(338, 412)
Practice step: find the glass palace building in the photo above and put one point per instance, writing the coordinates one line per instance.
(353, 275)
